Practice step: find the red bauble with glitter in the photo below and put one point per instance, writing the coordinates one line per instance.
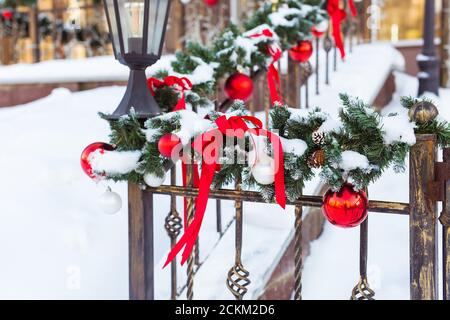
(167, 144)
(211, 2)
(345, 208)
(88, 151)
(239, 87)
(302, 52)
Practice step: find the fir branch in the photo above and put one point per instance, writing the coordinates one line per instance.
(126, 133)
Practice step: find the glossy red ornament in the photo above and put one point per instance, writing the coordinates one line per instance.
(239, 86)
(7, 15)
(167, 144)
(211, 2)
(345, 208)
(316, 33)
(88, 151)
(302, 52)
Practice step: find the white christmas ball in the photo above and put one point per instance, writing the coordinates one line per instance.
(110, 202)
(185, 1)
(264, 171)
(153, 180)
(322, 26)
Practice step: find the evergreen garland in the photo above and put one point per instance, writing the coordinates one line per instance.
(361, 129)
(228, 53)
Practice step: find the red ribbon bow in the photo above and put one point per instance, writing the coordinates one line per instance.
(210, 141)
(273, 77)
(179, 84)
(338, 15)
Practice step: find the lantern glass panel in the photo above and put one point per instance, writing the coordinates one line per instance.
(132, 22)
(114, 31)
(157, 21)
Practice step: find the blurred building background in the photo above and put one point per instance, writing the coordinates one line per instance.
(57, 29)
(40, 30)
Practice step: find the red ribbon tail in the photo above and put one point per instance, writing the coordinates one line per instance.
(338, 37)
(200, 209)
(182, 242)
(280, 191)
(181, 105)
(196, 184)
(337, 15)
(187, 241)
(273, 81)
(184, 172)
(353, 9)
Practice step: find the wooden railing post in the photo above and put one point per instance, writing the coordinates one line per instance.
(445, 221)
(423, 219)
(140, 241)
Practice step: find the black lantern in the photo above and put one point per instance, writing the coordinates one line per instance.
(137, 29)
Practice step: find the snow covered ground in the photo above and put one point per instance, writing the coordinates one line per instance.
(96, 69)
(57, 71)
(56, 244)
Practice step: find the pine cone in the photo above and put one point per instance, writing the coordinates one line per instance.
(318, 137)
(317, 159)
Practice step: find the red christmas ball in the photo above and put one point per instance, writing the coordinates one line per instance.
(345, 208)
(211, 2)
(88, 151)
(239, 86)
(7, 14)
(316, 33)
(167, 145)
(302, 52)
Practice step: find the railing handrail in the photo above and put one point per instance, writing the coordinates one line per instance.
(253, 196)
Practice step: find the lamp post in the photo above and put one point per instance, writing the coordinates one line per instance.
(445, 44)
(427, 61)
(137, 29)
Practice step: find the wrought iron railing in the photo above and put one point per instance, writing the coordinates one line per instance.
(427, 178)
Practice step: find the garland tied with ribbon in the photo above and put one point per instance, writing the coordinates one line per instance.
(210, 145)
(356, 148)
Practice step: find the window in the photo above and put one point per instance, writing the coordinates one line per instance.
(403, 20)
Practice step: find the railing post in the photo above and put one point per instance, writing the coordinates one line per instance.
(422, 223)
(140, 241)
(445, 221)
